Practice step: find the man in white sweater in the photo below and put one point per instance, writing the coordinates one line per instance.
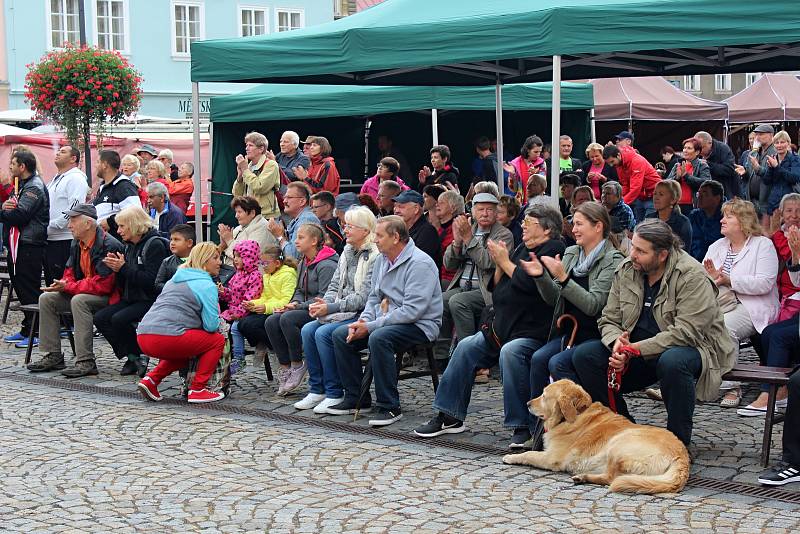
(66, 190)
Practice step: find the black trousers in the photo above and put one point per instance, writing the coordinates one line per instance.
(26, 277)
(253, 329)
(283, 330)
(55, 260)
(791, 425)
(115, 322)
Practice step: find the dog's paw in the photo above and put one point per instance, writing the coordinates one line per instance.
(579, 479)
(511, 459)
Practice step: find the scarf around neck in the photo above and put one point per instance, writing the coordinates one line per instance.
(585, 263)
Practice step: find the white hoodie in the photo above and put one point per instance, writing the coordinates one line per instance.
(65, 191)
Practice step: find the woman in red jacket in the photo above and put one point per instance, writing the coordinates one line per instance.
(322, 175)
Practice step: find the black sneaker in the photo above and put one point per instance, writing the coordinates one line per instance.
(781, 474)
(384, 417)
(520, 438)
(141, 365)
(348, 407)
(129, 368)
(441, 424)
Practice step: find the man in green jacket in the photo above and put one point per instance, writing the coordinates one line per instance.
(663, 323)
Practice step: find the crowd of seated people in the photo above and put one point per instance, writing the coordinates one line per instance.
(661, 275)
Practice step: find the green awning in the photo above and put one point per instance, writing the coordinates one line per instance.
(457, 42)
(286, 101)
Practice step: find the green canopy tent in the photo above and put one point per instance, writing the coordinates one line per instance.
(342, 114)
(472, 42)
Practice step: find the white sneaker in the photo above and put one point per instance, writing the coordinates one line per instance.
(309, 401)
(323, 406)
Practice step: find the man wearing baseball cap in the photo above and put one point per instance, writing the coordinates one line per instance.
(408, 205)
(468, 255)
(755, 190)
(624, 138)
(87, 286)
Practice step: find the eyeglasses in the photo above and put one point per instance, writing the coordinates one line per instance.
(353, 227)
(530, 221)
(287, 197)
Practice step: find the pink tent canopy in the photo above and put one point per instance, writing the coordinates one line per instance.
(651, 98)
(45, 145)
(772, 98)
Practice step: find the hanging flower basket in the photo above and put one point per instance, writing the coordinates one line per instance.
(83, 89)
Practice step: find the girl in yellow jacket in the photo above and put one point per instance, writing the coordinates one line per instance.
(280, 280)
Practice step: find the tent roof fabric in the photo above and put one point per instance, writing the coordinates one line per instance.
(772, 98)
(651, 98)
(286, 101)
(457, 42)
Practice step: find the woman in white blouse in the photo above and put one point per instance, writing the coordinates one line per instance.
(744, 265)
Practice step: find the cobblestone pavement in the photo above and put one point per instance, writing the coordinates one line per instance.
(83, 462)
(475, 489)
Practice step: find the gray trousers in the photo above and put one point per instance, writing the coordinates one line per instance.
(83, 307)
(461, 310)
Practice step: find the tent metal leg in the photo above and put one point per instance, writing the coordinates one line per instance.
(555, 129)
(198, 183)
(208, 182)
(498, 118)
(593, 126)
(435, 125)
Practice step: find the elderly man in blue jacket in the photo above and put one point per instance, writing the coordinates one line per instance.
(404, 308)
(166, 214)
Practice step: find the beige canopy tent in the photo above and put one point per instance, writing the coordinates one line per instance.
(657, 112)
(772, 98)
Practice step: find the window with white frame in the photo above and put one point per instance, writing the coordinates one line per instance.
(64, 23)
(188, 26)
(692, 83)
(252, 21)
(722, 83)
(290, 19)
(751, 78)
(110, 24)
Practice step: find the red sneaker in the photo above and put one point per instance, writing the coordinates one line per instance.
(149, 390)
(205, 395)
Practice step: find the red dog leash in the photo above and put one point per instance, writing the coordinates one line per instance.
(615, 376)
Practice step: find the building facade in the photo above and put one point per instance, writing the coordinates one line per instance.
(714, 86)
(154, 35)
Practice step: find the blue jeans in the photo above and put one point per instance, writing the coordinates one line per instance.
(323, 375)
(549, 361)
(471, 354)
(676, 369)
(383, 343)
(237, 341)
(779, 341)
(640, 208)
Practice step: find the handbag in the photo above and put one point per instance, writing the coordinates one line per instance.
(487, 329)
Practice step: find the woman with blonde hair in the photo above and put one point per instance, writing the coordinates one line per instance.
(744, 266)
(596, 171)
(666, 197)
(136, 271)
(183, 324)
(129, 167)
(340, 305)
(783, 171)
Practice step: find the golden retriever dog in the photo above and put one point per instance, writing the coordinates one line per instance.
(598, 446)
